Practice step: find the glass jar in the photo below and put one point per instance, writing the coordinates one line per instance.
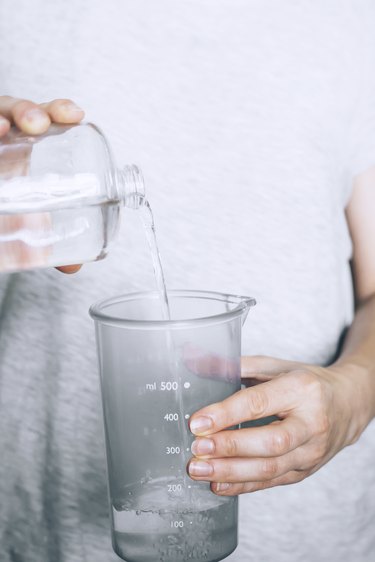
(60, 197)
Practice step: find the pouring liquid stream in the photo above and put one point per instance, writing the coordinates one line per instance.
(148, 222)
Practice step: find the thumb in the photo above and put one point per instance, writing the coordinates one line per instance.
(261, 368)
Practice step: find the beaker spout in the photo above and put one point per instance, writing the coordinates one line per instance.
(248, 302)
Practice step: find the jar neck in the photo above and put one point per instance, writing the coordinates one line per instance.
(130, 186)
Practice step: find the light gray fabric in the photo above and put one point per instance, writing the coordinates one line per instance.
(249, 119)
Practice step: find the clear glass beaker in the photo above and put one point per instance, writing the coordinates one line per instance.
(154, 374)
(60, 197)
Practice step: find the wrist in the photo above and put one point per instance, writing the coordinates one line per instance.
(355, 383)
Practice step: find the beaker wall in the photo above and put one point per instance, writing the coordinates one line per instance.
(154, 375)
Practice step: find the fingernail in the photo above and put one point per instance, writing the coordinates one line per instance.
(201, 424)
(202, 447)
(71, 107)
(3, 121)
(222, 486)
(200, 468)
(36, 117)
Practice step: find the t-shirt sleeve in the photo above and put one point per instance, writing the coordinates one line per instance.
(363, 139)
(362, 135)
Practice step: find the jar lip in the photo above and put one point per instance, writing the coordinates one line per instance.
(241, 304)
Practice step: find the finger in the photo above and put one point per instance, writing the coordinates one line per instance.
(232, 489)
(263, 366)
(241, 470)
(272, 440)
(63, 111)
(26, 115)
(275, 397)
(4, 126)
(18, 252)
(69, 268)
(14, 160)
(255, 379)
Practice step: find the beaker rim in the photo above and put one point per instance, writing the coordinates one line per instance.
(242, 306)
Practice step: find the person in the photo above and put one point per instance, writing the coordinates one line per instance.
(254, 124)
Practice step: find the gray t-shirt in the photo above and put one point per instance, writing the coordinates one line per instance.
(249, 119)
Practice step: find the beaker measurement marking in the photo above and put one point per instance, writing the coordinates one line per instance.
(171, 416)
(168, 385)
(187, 385)
(177, 524)
(172, 450)
(151, 386)
(174, 487)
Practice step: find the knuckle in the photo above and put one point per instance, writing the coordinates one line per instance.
(311, 383)
(281, 442)
(320, 450)
(231, 446)
(226, 471)
(312, 455)
(316, 388)
(269, 469)
(257, 401)
(323, 424)
(221, 417)
(313, 386)
(306, 380)
(315, 459)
